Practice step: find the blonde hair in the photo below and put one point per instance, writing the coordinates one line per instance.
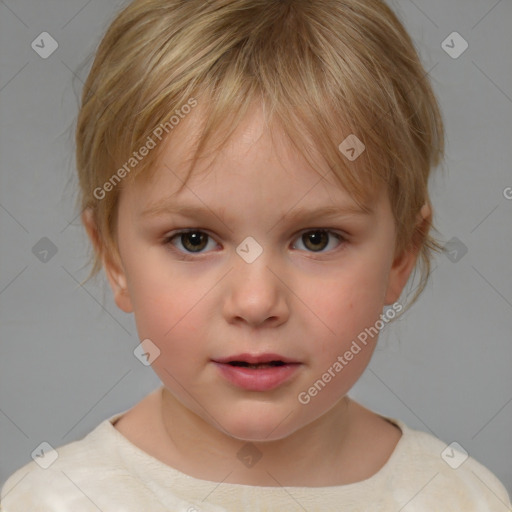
(322, 70)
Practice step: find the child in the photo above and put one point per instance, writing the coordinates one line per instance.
(254, 179)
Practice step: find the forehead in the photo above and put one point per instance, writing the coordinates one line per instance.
(258, 163)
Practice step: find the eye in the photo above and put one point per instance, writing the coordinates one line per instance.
(193, 241)
(316, 240)
(196, 241)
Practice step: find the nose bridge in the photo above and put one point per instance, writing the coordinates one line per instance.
(251, 268)
(255, 292)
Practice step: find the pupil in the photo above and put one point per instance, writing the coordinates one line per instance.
(194, 239)
(317, 238)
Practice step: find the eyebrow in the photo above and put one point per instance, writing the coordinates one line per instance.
(167, 207)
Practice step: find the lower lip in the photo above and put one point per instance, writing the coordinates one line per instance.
(254, 379)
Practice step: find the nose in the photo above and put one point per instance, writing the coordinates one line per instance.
(256, 293)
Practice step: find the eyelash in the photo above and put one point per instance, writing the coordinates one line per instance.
(192, 256)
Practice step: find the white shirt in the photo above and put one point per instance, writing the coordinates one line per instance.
(105, 472)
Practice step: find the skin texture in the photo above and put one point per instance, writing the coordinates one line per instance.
(305, 300)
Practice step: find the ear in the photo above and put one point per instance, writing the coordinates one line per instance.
(112, 265)
(404, 262)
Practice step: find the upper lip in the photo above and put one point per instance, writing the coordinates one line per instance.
(255, 358)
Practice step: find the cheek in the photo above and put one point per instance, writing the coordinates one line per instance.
(167, 312)
(172, 324)
(353, 299)
(349, 306)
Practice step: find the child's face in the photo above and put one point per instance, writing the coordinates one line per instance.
(304, 299)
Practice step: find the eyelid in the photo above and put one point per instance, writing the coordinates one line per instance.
(340, 235)
(335, 231)
(184, 255)
(173, 234)
(344, 234)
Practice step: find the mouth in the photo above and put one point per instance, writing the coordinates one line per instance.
(245, 364)
(256, 360)
(261, 372)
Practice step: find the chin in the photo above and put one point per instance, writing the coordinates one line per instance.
(259, 425)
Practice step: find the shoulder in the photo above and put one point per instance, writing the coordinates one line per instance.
(100, 464)
(102, 471)
(68, 477)
(435, 473)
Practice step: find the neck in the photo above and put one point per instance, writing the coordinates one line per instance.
(202, 450)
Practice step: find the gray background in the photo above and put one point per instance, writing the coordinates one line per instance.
(66, 360)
